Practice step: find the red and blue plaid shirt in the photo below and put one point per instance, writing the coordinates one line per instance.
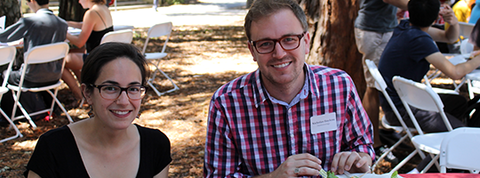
(249, 133)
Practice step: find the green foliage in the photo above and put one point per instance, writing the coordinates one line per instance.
(171, 2)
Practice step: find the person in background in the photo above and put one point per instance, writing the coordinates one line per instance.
(373, 28)
(409, 54)
(475, 12)
(107, 144)
(288, 118)
(97, 21)
(461, 10)
(155, 5)
(39, 29)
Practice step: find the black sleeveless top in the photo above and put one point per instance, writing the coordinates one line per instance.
(96, 36)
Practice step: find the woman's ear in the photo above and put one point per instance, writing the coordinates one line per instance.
(87, 94)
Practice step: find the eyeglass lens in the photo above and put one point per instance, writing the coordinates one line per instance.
(113, 91)
(289, 42)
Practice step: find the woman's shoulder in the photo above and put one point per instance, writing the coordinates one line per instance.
(59, 137)
(150, 133)
(57, 132)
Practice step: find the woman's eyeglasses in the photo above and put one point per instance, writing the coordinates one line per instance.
(111, 92)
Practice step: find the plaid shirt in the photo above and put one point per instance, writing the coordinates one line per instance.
(249, 134)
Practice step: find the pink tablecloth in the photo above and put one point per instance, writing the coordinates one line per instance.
(441, 175)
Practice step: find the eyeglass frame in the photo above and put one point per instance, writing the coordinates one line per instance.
(275, 41)
(121, 90)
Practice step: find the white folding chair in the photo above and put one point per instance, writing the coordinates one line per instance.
(423, 97)
(2, 23)
(459, 150)
(122, 27)
(38, 55)
(465, 29)
(123, 36)
(158, 30)
(7, 56)
(382, 87)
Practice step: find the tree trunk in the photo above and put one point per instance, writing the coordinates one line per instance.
(71, 10)
(333, 39)
(10, 9)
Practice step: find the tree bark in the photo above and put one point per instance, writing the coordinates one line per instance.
(10, 9)
(71, 10)
(333, 39)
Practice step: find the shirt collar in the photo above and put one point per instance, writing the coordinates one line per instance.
(260, 94)
(44, 10)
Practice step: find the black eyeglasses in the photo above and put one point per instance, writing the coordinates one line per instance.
(111, 92)
(287, 42)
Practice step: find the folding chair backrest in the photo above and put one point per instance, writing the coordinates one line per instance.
(381, 86)
(459, 149)
(419, 96)
(465, 29)
(158, 30)
(7, 56)
(123, 36)
(46, 53)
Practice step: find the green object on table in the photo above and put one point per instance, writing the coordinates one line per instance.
(330, 174)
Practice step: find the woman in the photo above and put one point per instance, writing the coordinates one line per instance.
(107, 144)
(97, 21)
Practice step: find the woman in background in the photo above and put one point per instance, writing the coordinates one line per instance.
(97, 21)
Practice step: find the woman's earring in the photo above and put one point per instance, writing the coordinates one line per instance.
(90, 113)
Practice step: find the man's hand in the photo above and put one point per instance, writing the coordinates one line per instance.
(351, 162)
(448, 15)
(298, 165)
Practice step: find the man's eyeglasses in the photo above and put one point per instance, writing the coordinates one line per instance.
(287, 42)
(111, 92)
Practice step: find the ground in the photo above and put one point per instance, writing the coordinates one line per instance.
(200, 60)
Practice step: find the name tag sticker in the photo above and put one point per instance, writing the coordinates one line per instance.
(323, 123)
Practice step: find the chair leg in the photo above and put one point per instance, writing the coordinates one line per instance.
(430, 164)
(24, 112)
(390, 150)
(59, 105)
(17, 132)
(150, 81)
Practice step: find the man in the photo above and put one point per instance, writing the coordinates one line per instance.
(373, 28)
(286, 119)
(40, 29)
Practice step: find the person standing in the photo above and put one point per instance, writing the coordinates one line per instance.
(155, 5)
(373, 28)
(287, 118)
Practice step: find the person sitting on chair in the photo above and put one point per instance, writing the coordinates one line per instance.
(97, 21)
(288, 118)
(40, 29)
(409, 54)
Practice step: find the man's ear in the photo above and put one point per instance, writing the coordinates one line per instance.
(252, 51)
(307, 42)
